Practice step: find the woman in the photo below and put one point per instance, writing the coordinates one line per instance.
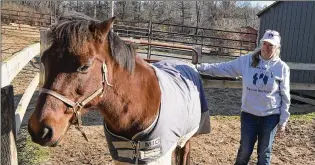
(266, 96)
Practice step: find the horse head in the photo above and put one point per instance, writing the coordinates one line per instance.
(79, 65)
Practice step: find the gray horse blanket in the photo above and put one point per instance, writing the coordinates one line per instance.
(183, 110)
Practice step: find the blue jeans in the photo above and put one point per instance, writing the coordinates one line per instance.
(252, 128)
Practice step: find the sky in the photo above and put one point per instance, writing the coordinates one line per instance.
(262, 3)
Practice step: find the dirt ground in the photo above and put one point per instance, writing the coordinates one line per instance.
(218, 148)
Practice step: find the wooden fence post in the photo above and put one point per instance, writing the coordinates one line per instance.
(196, 35)
(18, 21)
(149, 39)
(241, 48)
(202, 35)
(196, 57)
(8, 138)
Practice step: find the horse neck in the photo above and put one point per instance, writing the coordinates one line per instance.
(132, 104)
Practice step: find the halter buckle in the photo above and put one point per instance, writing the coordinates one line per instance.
(105, 71)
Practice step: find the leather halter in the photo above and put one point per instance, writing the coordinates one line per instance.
(79, 105)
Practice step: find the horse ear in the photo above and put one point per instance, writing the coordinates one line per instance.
(106, 26)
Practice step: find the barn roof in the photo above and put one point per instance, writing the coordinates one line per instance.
(267, 8)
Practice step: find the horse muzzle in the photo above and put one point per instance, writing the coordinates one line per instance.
(45, 135)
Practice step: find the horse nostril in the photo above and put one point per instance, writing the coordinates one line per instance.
(47, 133)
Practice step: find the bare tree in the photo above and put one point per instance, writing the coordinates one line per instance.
(212, 13)
(229, 15)
(149, 10)
(137, 10)
(198, 16)
(121, 9)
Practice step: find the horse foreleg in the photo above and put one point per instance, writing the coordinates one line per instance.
(184, 154)
(176, 155)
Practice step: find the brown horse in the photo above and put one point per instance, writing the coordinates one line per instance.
(88, 66)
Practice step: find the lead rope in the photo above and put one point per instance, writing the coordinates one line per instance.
(80, 105)
(78, 115)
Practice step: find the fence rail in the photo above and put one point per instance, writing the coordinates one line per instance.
(10, 117)
(212, 41)
(9, 69)
(238, 85)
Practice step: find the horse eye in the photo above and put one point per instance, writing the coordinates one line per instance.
(83, 69)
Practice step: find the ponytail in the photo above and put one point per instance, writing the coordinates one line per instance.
(255, 58)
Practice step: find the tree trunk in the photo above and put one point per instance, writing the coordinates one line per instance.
(95, 3)
(183, 15)
(197, 17)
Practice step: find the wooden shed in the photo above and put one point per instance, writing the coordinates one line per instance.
(295, 21)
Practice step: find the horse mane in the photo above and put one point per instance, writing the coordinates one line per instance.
(74, 29)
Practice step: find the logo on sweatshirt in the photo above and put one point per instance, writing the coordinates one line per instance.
(261, 79)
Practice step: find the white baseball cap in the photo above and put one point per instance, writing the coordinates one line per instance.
(272, 37)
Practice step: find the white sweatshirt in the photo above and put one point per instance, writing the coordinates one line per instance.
(266, 88)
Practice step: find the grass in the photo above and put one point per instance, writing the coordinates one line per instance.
(217, 117)
(31, 153)
(305, 117)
